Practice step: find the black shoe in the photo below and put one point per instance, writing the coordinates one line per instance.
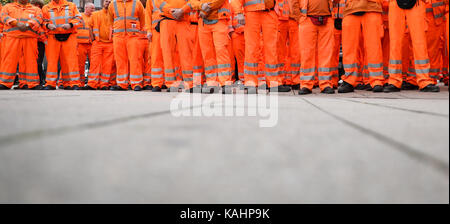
(3, 87)
(163, 87)
(280, 89)
(87, 88)
(38, 87)
(368, 87)
(431, 88)
(68, 88)
(75, 87)
(304, 91)
(296, 87)
(251, 90)
(148, 87)
(328, 90)
(346, 88)
(156, 89)
(61, 87)
(390, 88)
(137, 88)
(25, 87)
(117, 88)
(49, 88)
(409, 86)
(227, 90)
(377, 89)
(104, 88)
(360, 87)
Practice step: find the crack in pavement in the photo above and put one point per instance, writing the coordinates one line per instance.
(441, 166)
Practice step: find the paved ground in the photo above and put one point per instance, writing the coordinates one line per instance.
(127, 147)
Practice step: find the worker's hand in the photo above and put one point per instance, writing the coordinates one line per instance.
(206, 7)
(177, 13)
(240, 18)
(66, 26)
(149, 36)
(1, 35)
(51, 26)
(22, 26)
(202, 15)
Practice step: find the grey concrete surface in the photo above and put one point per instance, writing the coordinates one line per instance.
(126, 147)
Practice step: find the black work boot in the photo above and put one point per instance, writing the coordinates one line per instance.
(328, 90)
(156, 89)
(431, 88)
(409, 86)
(3, 87)
(49, 88)
(377, 89)
(280, 89)
(346, 88)
(304, 91)
(390, 88)
(137, 88)
(360, 87)
(147, 87)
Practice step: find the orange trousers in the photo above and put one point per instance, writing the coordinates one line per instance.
(215, 43)
(24, 49)
(128, 58)
(294, 55)
(320, 39)
(336, 56)
(385, 43)
(435, 44)
(175, 36)
(67, 55)
(415, 19)
(268, 23)
(370, 27)
(102, 63)
(146, 65)
(84, 51)
(156, 61)
(239, 52)
(198, 76)
(283, 50)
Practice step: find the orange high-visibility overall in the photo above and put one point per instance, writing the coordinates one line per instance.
(176, 37)
(152, 17)
(199, 78)
(84, 45)
(102, 53)
(20, 45)
(435, 12)
(260, 17)
(338, 13)
(415, 19)
(129, 20)
(238, 40)
(316, 39)
(282, 9)
(59, 14)
(370, 26)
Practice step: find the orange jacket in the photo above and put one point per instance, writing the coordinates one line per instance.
(220, 10)
(294, 9)
(128, 17)
(304, 8)
(101, 26)
(61, 13)
(14, 13)
(352, 6)
(438, 9)
(236, 6)
(256, 5)
(338, 9)
(83, 35)
(166, 5)
(152, 15)
(282, 8)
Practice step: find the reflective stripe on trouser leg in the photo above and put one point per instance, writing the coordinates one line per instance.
(146, 64)
(252, 31)
(206, 37)
(70, 59)
(372, 27)
(282, 50)
(52, 53)
(351, 37)
(10, 60)
(272, 67)
(29, 67)
(121, 57)
(185, 46)
(157, 63)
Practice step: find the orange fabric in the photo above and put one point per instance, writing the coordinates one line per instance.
(282, 8)
(254, 6)
(239, 52)
(102, 64)
(268, 23)
(83, 34)
(294, 56)
(435, 37)
(128, 17)
(335, 56)
(369, 26)
(84, 51)
(101, 26)
(61, 13)
(152, 16)
(415, 19)
(64, 52)
(14, 13)
(352, 6)
(165, 6)
(220, 9)
(198, 65)
(320, 39)
(215, 41)
(318, 8)
(24, 49)
(282, 49)
(146, 65)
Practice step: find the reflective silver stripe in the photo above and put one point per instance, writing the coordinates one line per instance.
(395, 71)
(52, 73)
(223, 10)
(6, 80)
(95, 29)
(128, 17)
(188, 79)
(52, 16)
(309, 70)
(274, 66)
(254, 65)
(104, 80)
(71, 73)
(429, 10)
(439, 15)
(374, 74)
(326, 77)
(435, 70)
(136, 76)
(197, 74)
(94, 74)
(198, 67)
(162, 6)
(186, 72)
(351, 65)
(434, 77)
(128, 30)
(254, 2)
(6, 19)
(116, 9)
(157, 69)
(209, 68)
(351, 74)
(212, 75)
(437, 4)
(169, 71)
(154, 6)
(224, 73)
(271, 74)
(7, 74)
(327, 69)
(133, 9)
(170, 78)
(296, 65)
(122, 76)
(422, 71)
(224, 66)
(82, 37)
(395, 62)
(156, 76)
(370, 65)
(421, 62)
(50, 79)
(250, 72)
(307, 77)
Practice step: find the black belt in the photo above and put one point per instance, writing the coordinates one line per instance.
(268, 10)
(194, 23)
